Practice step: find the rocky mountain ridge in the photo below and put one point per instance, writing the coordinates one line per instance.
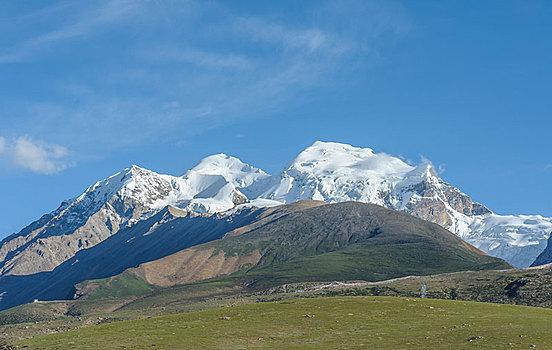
(326, 171)
(119, 201)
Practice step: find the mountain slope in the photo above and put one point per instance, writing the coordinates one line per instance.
(518, 239)
(120, 201)
(335, 172)
(313, 241)
(163, 234)
(546, 256)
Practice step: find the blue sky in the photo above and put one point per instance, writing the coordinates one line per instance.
(87, 88)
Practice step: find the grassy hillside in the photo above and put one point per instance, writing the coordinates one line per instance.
(364, 262)
(120, 286)
(323, 323)
(342, 241)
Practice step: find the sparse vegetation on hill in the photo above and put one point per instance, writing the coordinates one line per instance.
(343, 241)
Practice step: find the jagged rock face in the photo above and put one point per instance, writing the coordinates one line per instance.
(119, 201)
(85, 221)
(432, 199)
(431, 210)
(44, 253)
(78, 224)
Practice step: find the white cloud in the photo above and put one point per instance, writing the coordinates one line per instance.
(440, 169)
(309, 39)
(91, 21)
(2, 145)
(39, 157)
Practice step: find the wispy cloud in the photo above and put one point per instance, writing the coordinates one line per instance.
(310, 39)
(92, 20)
(171, 69)
(548, 167)
(36, 156)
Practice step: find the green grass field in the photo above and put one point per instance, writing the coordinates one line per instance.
(323, 323)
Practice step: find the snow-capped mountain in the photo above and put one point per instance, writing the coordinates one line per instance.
(214, 184)
(518, 239)
(335, 172)
(121, 200)
(326, 171)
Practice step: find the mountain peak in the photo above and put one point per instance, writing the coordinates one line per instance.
(235, 171)
(424, 171)
(329, 146)
(338, 158)
(137, 168)
(217, 161)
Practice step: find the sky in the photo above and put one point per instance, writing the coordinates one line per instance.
(88, 88)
